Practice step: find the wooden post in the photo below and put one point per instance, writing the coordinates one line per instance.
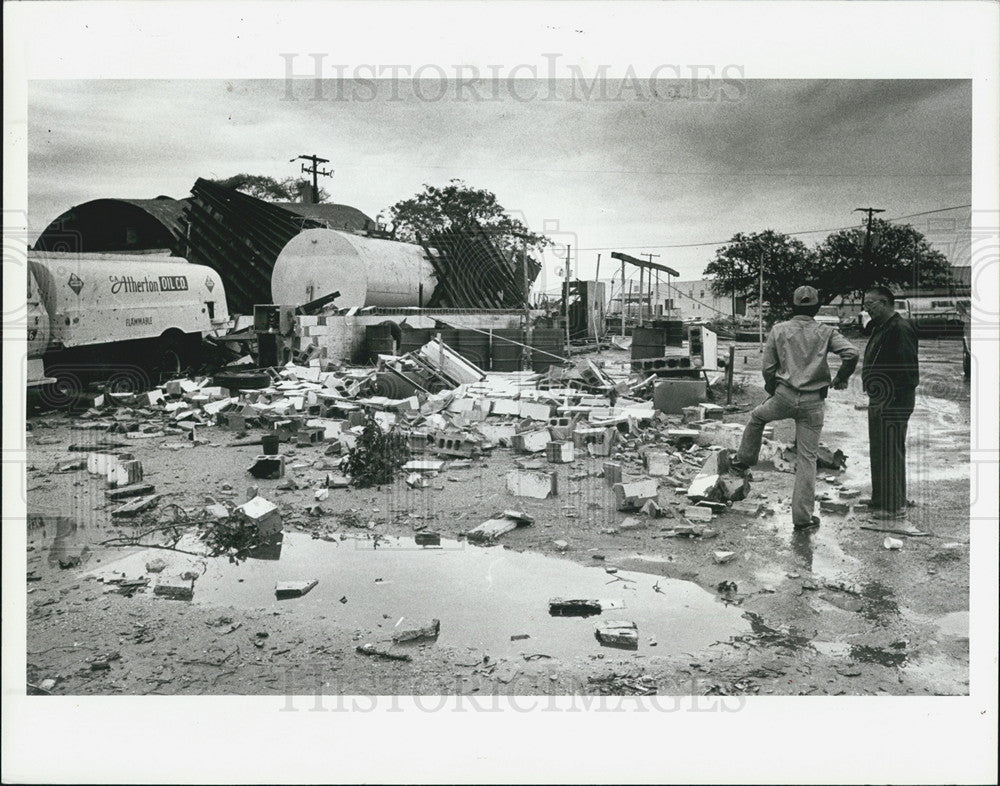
(642, 292)
(526, 355)
(729, 373)
(623, 298)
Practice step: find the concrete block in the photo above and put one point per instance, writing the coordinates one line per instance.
(713, 411)
(124, 473)
(505, 406)
(634, 494)
(559, 452)
(268, 467)
(612, 473)
(531, 441)
(657, 464)
(672, 395)
(174, 588)
(261, 512)
(99, 463)
(561, 428)
(697, 513)
(534, 484)
(693, 413)
(462, 405)
(747, 508)
(310, 435)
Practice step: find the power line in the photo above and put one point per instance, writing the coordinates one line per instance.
(790, 234)
(676, 172)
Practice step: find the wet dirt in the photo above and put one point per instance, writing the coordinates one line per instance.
(785, 581)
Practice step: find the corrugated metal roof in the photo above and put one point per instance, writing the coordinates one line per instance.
(92, 223)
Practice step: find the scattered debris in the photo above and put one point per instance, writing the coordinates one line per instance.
(618, 633)
(293, 589)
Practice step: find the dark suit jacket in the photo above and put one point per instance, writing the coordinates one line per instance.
(890, 362)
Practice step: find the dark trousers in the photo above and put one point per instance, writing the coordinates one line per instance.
(887, 422)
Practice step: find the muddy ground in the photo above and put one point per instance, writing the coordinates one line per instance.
(827, 613)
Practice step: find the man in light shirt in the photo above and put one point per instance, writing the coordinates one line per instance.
(796, 377)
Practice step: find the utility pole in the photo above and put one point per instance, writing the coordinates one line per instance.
(315, 171)
(650, 258)
(526, 355)
(566, 298)
(868, 228)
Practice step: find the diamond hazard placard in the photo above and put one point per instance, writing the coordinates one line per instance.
(75, 283)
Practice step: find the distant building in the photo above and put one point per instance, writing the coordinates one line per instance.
(695, 299)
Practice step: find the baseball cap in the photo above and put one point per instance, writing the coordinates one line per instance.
(805, 296)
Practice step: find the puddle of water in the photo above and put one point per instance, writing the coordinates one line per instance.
(482, 596)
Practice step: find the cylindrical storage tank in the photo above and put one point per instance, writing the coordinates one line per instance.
(648, 343)
(366, 271)
(505, 356)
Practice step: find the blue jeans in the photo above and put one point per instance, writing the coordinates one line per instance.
(807, 409)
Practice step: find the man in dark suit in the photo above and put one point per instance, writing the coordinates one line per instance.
(889, 375)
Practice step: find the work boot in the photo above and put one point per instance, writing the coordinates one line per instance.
(813, 523)
(730, 465)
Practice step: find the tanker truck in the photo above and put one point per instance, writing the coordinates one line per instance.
(127, 319)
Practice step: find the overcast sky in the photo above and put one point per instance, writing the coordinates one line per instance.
(640, 173)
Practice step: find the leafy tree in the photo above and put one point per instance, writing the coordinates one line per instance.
(899, 256)
(458, 206)
(787, 264)
(289, 189)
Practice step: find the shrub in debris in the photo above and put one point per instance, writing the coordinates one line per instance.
(234, 537)
(377, 455)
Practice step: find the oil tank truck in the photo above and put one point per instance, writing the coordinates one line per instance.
(123, 318)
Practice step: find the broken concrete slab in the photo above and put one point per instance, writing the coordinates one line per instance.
(381, 650)
(125, 492)
(697, 513)
(531, 441)
(293, 589)
(657, 464)
(722, 557)
(573, 607)
(415, 631)
(836, 508)
(534, 484)
(622, 634)
(174, 588)
(136, 506)
(490, 530)
(672, 395)
(634, 494)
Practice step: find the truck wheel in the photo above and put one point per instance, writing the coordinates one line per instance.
(128, 379)
(172, 355)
